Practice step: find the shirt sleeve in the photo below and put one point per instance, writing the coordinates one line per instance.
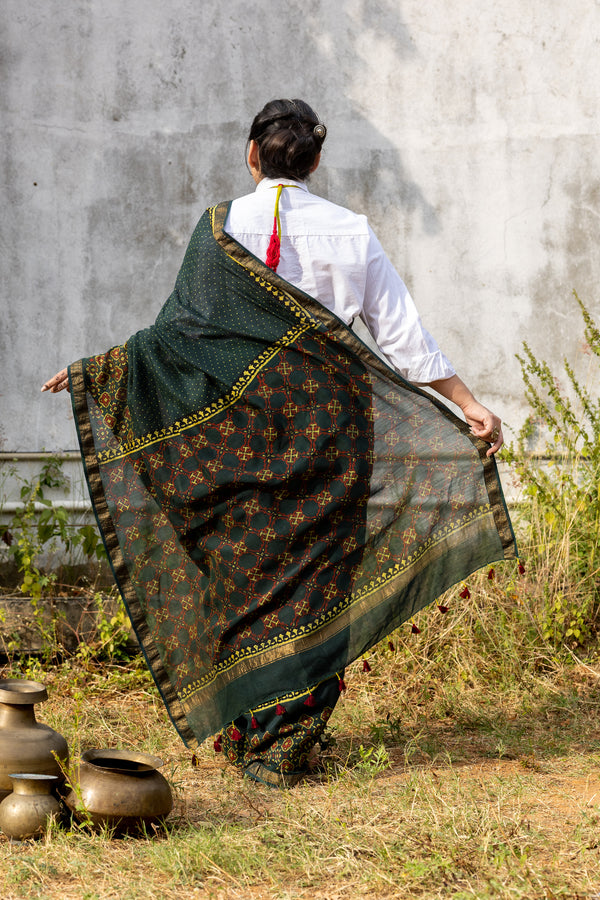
(392, 319)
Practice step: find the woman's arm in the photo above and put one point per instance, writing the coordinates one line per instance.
(484, 423)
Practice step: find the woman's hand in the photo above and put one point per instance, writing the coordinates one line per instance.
(58, 382)
(484, 423)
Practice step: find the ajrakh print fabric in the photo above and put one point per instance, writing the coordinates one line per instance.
(273, 498)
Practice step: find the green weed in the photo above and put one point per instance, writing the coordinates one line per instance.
(556, 458)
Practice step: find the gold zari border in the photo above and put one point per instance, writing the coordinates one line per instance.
(204, 415)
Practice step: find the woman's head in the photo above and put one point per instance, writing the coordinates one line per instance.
(289, 138)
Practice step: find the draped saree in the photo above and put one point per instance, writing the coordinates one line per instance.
(274, 500)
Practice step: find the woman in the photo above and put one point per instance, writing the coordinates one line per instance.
(274, 498)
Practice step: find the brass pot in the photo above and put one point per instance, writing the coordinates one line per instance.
(121, 789)
(26, 812)
(25, 744)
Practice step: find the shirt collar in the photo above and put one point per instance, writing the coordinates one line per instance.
(265, 183)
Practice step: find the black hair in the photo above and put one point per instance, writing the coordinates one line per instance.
(289, 136)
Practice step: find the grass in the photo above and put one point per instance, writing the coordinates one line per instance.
(466, 764)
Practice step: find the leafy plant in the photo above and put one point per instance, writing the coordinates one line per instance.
(113, 634)
(561, 482)
(37, 529)
(389, 729)
(372, 760)
(33, 533)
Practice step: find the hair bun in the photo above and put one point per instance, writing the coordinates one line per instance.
(289, 137)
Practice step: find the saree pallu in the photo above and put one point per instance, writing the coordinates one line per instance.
(274, 500)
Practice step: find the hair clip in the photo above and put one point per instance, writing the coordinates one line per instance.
(319, 131)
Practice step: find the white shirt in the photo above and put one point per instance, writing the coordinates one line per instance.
(333, 255)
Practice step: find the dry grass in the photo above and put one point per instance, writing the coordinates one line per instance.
(465, 765)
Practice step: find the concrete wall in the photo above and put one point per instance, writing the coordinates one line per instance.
(466, 131)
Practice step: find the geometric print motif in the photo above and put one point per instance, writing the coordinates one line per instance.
(106, 381)
(268, 501)
(204, 584)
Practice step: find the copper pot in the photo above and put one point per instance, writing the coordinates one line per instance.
(121, 789)
(25, 744)
(26, 812)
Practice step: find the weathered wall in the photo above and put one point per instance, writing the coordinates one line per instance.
(467, 132)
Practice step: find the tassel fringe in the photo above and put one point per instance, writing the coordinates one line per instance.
(274, 248)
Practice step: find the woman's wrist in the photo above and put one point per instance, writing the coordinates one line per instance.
(453, 389)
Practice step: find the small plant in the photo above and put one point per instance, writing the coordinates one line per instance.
(81, 819)
(561, 482)
(33, 532)
(389, 730)
(113, 634)
(36, 530)
(9, 643)
(373, 760)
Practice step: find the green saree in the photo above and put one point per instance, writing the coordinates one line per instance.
(274, 500)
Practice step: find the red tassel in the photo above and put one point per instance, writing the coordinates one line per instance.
(280, 710)
(465, 593)
(274, 249)
(341, 684)
(236, 734)
(521, 568)
(415, 629)
(366, 667)
(217, 744)
(195, 760)
(390, 646)
(253, 722)
(442, 609)
(491, 575)
(310, 700)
